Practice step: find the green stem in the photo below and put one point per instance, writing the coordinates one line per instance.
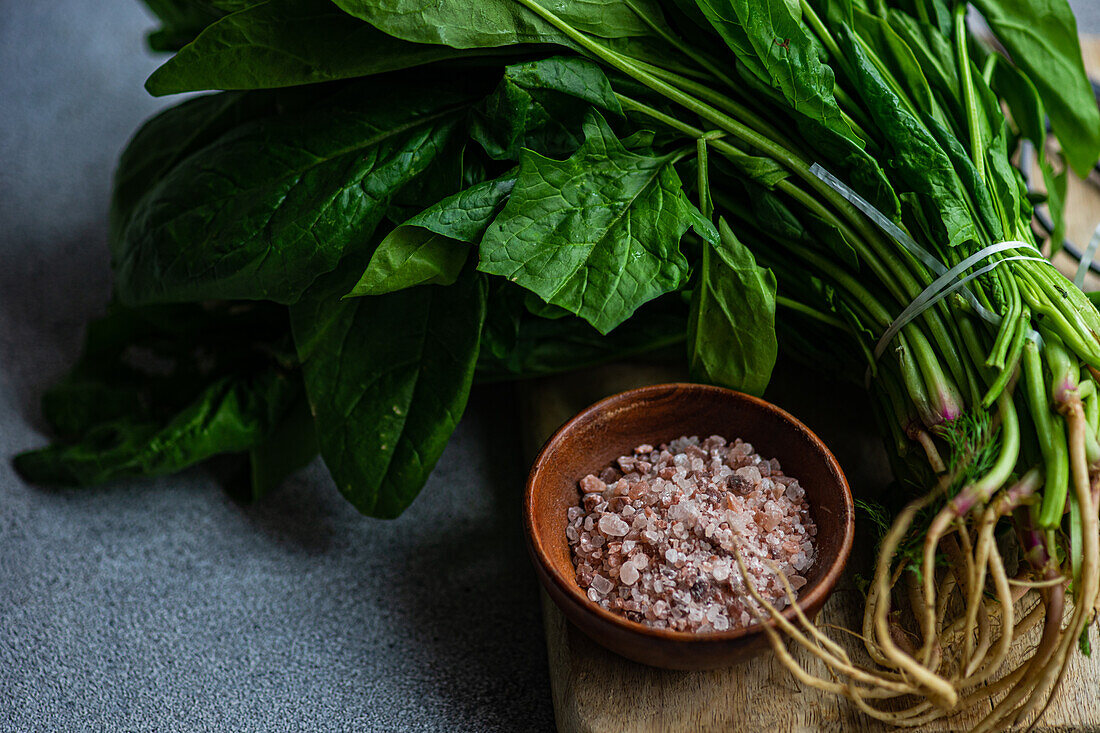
(1055, 320)
(723, 103)
(1010, 324)
(739, 158)
(879, 316)
(701, 59)
(1076, 552)
(821, 31)
(897, 411)
(977, 150)
(706, 205)
(1009, 369)
(972, 341)
(946, 399)
(813, 313)
(1049, 431)
(1010, 449)
(1092, 405)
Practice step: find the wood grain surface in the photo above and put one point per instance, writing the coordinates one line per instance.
(597, 691)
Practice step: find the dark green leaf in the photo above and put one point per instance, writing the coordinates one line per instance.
(1029, 116)
(166, 139)
(934, 53)
(536, 307)
(541, 105)
(232, 414)
(411, 256)
(731, 327)
(158, 389)
(896, 55)
(432, 246)
(778, 48)
(853, 164)
(911, 151)
(150, 363)
(491, 23)
(518, 344)
(1041, 36)
(445, 175)
(181, 21)
(388, 377)
(266, 208)
(467, 214)
(597, 234)
(290, 446)
(280, 43)
(1009, 192)
(968, 173)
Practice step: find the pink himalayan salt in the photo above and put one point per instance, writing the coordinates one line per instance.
(653, 535)
(613, 525)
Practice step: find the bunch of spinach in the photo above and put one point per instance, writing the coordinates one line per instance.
(386, 201)
(428, 194)
(351, 212)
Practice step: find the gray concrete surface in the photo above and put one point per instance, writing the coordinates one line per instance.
(163, 605)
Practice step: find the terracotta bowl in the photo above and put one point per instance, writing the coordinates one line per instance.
(657, 414)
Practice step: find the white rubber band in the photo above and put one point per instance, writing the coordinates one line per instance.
(948, 283)
(948, 280)
(900, 236)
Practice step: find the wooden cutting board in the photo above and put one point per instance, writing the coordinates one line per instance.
(597, 691)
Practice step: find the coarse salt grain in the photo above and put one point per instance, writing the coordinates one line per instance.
(653, 536)
(613, 525)
(601, 584)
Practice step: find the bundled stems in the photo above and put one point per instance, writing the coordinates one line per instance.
(955, 381)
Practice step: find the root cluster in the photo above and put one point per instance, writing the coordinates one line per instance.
(967, 616)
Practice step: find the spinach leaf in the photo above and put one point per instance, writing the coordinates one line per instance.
(980, 196)
(411, 256)
(1041, 37)
(151, 362)
(731, 326)
(230, 415)
(911, 150)
(935, 55)
(541, 105)
(280, 43)
(854, 163)
(290, 446)
(489, 23)
(1029, 116)
(519, 344)
(181, 21)
(388, 378)
(432, 246)
(896, 55)
(1009, 190)
(467, 214)
(263, 210)
(446, 175)
(597, 234)
(158, 389)
(169, 137)
(778, 49)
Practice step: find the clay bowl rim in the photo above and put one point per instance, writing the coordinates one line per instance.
(817, 596)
